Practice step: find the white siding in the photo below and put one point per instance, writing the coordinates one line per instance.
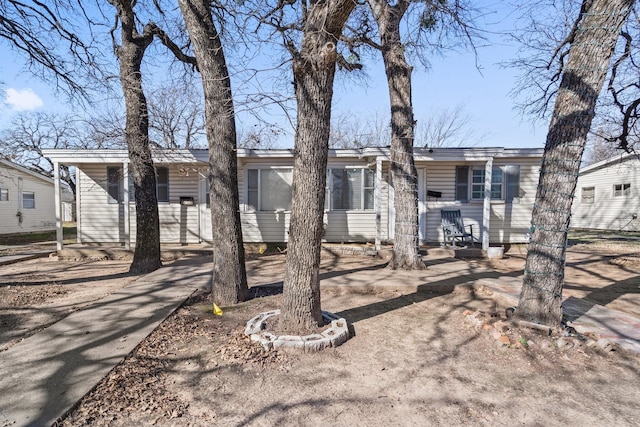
(103, 222)
(41, 218)
(340, 226)
(441, 177)
(608, 212)
(510, 222)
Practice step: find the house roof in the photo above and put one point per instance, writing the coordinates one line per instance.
(27, 171)
(608, 162)
(70, 156)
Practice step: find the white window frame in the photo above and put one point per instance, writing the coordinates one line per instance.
(4, 194)
(258, 191)
(622, 190)
(132, 194)
(363, 189)
(32, 198)
(585, 197)
(110, 184)
(475, 190)
(162, 185)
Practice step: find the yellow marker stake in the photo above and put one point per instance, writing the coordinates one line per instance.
(217, 310)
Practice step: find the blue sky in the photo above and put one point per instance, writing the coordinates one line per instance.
(451, 81)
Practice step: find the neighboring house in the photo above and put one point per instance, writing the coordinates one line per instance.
(608, 195)
(26, 200)
(359, 194)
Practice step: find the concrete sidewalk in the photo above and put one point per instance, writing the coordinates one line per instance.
(24, 253)
(47, 373)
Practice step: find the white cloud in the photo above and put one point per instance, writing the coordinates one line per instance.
(23, 100)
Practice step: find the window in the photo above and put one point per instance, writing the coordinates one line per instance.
(351, 189)
(4, 194)
(28, 200)
(505, 183)
(162, 184)
(113, 184)
(269, 189)
(620, 190)
(588, 195)
(462, 183)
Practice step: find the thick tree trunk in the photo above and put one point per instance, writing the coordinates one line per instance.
(146, 256)
(582, 79)
(229, 273)
(313, 73)
(404, 176)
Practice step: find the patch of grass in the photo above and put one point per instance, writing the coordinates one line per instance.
(69, 231)
(577, 236)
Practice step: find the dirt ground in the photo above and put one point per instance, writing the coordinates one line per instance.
(415, 358)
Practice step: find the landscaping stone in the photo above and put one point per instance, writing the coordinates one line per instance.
(335, 335)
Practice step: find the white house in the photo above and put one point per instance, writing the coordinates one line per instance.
(26, 200)
(494, 188)
(608, 195)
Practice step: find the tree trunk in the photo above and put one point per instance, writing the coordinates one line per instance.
(146, 256)
(404, 176)
(229, 273)
(582, 79)
(313, 73)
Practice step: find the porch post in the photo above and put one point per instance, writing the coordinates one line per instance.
(486, 207)
(126, 212)
(58, 204)
(378, 202)
(78, 208)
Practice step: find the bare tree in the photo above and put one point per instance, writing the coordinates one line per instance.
(30, 133)
(350, 131)
(450, 17)
(176, 116)
(583, 57)
(259, 136)
(620, 124)
(448, 127)
(311, 39)
(599, 147)
(130, 52)
(47, 36)
(229, 273)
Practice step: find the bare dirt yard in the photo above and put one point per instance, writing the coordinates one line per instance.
(415, 358)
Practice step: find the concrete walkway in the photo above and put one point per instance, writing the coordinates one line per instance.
(24, 253)
(47, 373)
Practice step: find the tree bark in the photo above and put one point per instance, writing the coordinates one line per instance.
(313, 74)
(146, 255)
(585, 70)
(229, 273)
(404, 176)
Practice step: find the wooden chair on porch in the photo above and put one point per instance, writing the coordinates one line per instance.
(454, 229)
